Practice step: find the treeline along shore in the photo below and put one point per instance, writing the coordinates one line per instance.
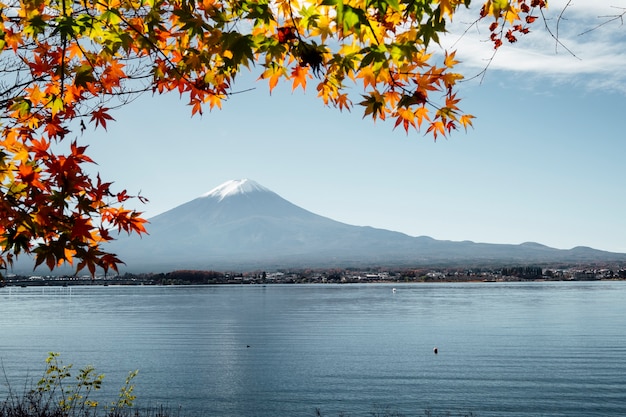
(334, 275)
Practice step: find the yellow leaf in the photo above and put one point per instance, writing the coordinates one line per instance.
(466, 120)
(215, 100)
(274, 72)
(447, 8)
(449, 60)
(512, 14)
(56, 105)
(325, 90)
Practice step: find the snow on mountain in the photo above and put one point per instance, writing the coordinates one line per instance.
(234, 187)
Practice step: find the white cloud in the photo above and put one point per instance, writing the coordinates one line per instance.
(587, 51)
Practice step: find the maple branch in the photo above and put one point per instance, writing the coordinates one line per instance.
(153, 46)
(613, 18)
(556, 37)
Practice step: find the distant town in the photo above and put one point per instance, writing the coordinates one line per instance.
(334, 276)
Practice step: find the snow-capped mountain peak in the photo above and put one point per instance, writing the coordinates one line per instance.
(233, 187)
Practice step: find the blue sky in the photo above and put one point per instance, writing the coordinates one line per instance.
(544, 161)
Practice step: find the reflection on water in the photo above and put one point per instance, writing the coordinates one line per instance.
(519, 349)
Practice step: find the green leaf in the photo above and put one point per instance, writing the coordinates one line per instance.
(241, 48)
(375, 56)
(374, 104)
(352, 18)
(402, 51)
(84, 75)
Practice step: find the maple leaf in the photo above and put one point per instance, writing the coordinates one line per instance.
(368, 76)
(447, 8)
(274, 72)
(406, 117)
(122, 196)
(299, 76)
(112, 75)
(375, 105)
(196, 106)
(27, 173)
(437, 127)
(78, 152)
(466, 120)
(215, 100)
(109, 261)
(90, 259)
(82, 228)
(326, 90)
(55, 129)
(35, 95)
(40, 148)
(343, 102)
(421, 114)
(100, 116)
(449, 60)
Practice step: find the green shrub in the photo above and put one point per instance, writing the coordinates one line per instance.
(59, 394)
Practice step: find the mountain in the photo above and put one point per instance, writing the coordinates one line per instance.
(243, 225)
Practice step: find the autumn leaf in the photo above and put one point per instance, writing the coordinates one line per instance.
(274, 72)
(82, 228)
(343, 102)
(215, 100)
(466, 120)
(374, 105)
(299, 75)
(421, 115)
(447, 8)
(437, 128)
(100, 116)
(449, 60)
(406, 117)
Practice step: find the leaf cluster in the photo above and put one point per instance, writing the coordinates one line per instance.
(66, 64)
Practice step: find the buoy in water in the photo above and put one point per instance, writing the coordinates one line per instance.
(435, 351)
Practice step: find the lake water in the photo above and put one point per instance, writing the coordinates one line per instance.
(504, 349)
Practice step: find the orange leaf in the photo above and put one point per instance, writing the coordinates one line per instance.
(299, 75)
(406, 117)
(421, 114)
(437, 127)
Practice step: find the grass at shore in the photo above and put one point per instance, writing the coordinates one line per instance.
(62, 393)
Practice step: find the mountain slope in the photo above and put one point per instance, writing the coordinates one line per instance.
(243, 225)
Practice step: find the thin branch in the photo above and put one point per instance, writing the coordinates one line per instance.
(555, 37)
(558, 22)
(612, 18)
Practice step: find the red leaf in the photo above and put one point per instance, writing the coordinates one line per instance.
(100, 116)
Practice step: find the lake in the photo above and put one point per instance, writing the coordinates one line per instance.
(504, 349)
